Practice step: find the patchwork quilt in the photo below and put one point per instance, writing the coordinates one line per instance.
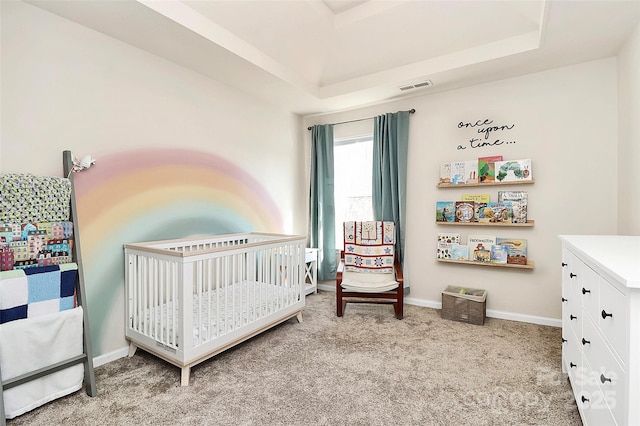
(369, 246)
(33, 292)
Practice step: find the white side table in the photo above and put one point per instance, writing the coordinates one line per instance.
(311, 271)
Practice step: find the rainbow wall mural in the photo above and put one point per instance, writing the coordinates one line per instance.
(147, 195)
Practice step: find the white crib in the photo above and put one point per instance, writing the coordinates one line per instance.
(190, 299)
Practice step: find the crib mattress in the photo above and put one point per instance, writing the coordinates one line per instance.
(218, 312)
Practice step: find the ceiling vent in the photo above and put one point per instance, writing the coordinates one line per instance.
(426, 83)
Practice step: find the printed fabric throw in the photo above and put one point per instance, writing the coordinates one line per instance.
(33, 292)
(369, 246)
(26, 198)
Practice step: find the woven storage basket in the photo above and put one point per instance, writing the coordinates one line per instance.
(470, 307)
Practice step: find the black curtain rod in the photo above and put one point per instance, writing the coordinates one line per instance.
(411, 111)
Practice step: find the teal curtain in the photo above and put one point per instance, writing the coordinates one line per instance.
(321, 201)
(389, 191)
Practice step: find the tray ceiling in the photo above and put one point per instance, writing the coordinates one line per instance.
(313, 56)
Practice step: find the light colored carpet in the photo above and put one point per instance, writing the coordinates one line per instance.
(366, 368)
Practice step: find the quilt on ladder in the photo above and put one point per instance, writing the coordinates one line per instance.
(33, 292)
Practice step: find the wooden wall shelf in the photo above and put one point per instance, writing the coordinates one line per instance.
(517, 225)
(530, 264)
(462, 185)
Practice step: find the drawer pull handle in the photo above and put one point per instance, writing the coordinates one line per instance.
(605, 314)
(564, 264)
(564, 340)
(585, 341)
(572, 365)
(572, 317)
(571, 275)
(584, 399)
(604, 379)
(585, 291)
(564, 300)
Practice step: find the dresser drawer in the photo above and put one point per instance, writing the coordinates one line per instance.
(593, 403)
(572, 358)
(589, 290)
(611, 379)
(613, 318)
(572, 273)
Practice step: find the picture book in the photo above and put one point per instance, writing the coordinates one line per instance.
(513, 170)
(471, 171)
(445, 243)
(445, 211)
(518, 204)
(459, 252)
(444, 251)
(458, 174)
(480, 212)
(498, 254)
(448, 238)
(478, 198)
(498, 212)
(465, 211)
(480, 247)
(516, 250)
(486, 168)
(445, 173)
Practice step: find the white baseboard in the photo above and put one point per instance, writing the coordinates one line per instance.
(511, 316)
(111, 356)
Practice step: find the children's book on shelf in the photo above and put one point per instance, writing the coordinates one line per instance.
(513, 170)
(445, 173)
(458, 174)
(444, 251)
(516, 250)
(480, 247)
(446, 240)
(445, 211)
(487, 168)
(459, 252)
(471, 171)
(465, 211)
(518, 204)
(499, 254)
(498, 212)
(480, 212)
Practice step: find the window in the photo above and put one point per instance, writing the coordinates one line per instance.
(353, 159)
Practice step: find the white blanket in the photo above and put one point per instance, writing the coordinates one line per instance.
(29, 344)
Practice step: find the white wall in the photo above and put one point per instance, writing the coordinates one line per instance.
(566, 122)
(65, 86)
(629, 137)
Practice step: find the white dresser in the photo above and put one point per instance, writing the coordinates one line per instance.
(601, 326)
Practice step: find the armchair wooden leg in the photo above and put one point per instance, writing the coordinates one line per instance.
(398, 308)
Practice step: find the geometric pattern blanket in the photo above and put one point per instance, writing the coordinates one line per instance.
(29, 198)
(369, 246)
(33, 292)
